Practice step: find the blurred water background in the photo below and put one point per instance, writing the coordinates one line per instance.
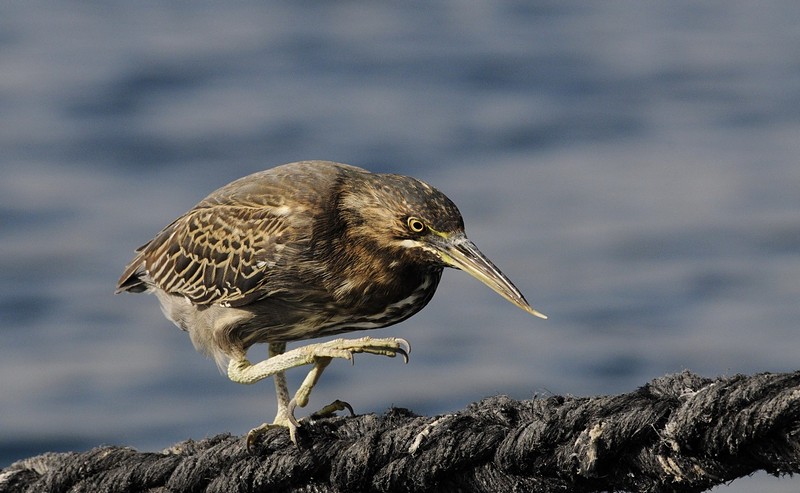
(632, 166)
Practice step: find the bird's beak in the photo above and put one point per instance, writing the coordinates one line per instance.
(459, 252)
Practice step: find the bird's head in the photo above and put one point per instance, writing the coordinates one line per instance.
(419, 224)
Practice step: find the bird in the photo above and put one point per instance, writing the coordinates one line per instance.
(301, 251)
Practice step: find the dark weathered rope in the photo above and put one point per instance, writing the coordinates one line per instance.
(677, 433)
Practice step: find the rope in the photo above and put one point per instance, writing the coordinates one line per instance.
(677, 433)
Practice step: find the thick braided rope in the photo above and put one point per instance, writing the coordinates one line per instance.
(677, 433)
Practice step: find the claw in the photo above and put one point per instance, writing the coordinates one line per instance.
(347, 406)
(403, 350)
(290, 414)
(251, 440)
(404, 354)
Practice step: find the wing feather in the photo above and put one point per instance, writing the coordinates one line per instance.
(214, 255)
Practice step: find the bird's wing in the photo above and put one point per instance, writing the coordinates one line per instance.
(220, 254)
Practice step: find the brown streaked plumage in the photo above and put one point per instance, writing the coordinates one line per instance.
(300, 251)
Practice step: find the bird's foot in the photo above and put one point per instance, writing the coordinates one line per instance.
(242, 371)
(256, 433)
(283, 420)
(331, 409)
(287, 420)
(346, 348)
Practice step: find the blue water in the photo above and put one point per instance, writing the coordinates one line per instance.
(633, 167)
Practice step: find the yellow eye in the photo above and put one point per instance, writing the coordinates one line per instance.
(415, 225)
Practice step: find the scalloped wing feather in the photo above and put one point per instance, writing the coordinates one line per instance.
(213, 255)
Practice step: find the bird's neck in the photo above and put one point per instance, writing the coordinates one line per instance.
(364, 272)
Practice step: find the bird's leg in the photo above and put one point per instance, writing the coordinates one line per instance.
(304, 392)
(243, 371)
(281, 389)
(301, 396)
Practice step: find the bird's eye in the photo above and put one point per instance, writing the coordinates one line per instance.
(415, 225)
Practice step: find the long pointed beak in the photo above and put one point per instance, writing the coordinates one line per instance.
(459, 252)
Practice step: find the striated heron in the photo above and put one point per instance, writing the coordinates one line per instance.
(300, 251)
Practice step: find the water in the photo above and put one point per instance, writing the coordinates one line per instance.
(633, 167)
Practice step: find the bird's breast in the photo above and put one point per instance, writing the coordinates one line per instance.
(377, 305)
